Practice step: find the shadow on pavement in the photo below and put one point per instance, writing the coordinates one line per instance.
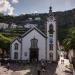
(51, 68)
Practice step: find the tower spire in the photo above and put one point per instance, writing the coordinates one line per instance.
(50, 11)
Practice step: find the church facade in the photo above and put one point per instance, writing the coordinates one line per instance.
(35, 45)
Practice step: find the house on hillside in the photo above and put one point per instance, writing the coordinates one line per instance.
(28, 25)
(36, 45)
(13, 25)
(3, 25)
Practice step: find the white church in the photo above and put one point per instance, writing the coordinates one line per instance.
(35, 45)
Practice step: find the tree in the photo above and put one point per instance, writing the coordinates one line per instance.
(1, 14)
(4, 45)
(69, 41)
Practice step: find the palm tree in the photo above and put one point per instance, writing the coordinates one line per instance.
(69, 42)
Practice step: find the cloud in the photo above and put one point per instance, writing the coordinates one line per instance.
(15, 1)
(6, 6)
(10, 12)
(35, 11)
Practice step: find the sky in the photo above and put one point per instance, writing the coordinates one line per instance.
(18, 7)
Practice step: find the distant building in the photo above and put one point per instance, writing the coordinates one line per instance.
(20, 26)
(13, 25)
(37, 18)
(30, 19)
(28, 25)
(35, 45)
(3, 25)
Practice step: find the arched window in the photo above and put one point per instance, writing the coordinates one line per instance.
(51, 56)
(34, 43)
(51, 29)
(16, 46)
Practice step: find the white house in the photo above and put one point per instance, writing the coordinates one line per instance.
(34, 44)
(3, 25)
(28, 25)
(37, 18)
(13, 25)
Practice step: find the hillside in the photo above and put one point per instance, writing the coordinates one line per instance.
(64, 19)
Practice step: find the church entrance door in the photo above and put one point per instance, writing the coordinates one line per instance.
(34, 54)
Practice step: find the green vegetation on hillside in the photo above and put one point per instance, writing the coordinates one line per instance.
(4, 45)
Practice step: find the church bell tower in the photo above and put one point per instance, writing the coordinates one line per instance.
(51, 36)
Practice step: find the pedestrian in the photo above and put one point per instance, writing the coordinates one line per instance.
(38, 72)
(8, 65)
(0, 63)
(43, 71)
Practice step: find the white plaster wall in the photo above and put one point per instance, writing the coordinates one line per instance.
(54, 42)
(12, 50)
(26, 43)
